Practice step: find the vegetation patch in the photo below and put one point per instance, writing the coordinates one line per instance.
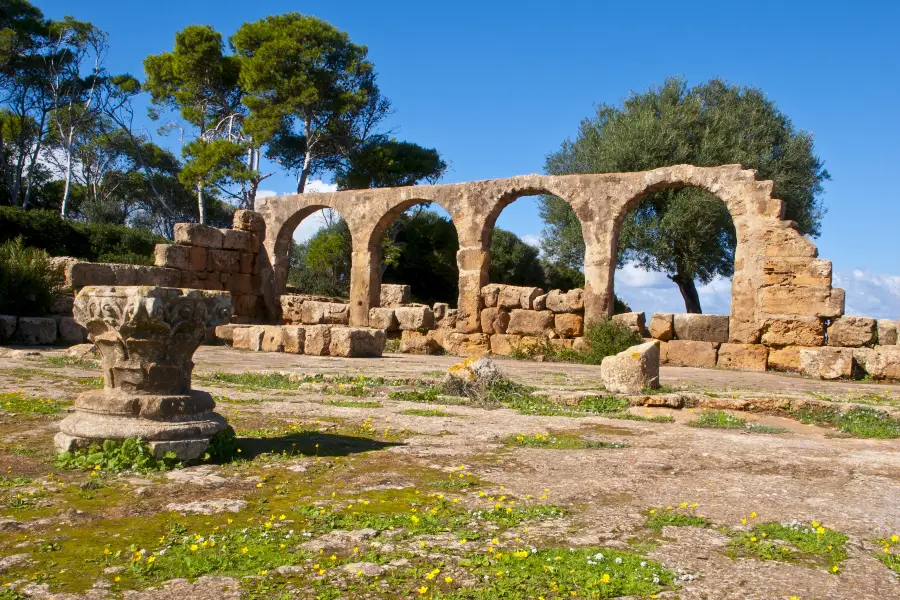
(281, 381)
(812, 543)
(557, 441)
(426, 412)
(627, 416)
(861, 421)
(719, 419)
(683, 515)
(130, 454)
(353, 403)
(72, 361)
(18, 403)
(890, 553)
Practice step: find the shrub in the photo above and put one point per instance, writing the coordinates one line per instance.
(29, 283)
(605, 338)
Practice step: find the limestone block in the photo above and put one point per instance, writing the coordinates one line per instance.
(293, 338)
(82, 274)
(246, 305)
(797, 271)
(272, 340)
(503, 344)
(688, 353)
(582, 345)
(701, 328)
(852, 332)
(237, 239)
(636, 321)
(490, 294)
(290, 308)
(225, 333)
(562, 344)
(449, 320)
(356, 342)
(527, 296)
(662, 326)
(414, 342)
(223, 261)
(315, 313)
(563, 302)
(887, 332)
(393, 294)
(862, 357)
(827, 363)
(197, 258)
(743, 357)
(530, 322)
(247, 262)
(70, 331)
(794, 331)
(238, 283)
(511, 297)
(467, 344)
(787, 358)
(539, 302)
(195, 234)
(154, 276)
(813, 301)
(36, 331)
(64, 264)
(569, 325)
(632, 370)
(172, 256)
(318, 340)
(248, 338)
(494, 320)
(414, 318)
(383, 318)
(885, 363)
(440, 310)
(62, 305)
(7, 328)
(248, 220)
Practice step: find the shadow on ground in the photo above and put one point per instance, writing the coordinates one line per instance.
(311, 443)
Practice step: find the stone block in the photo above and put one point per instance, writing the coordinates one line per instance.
(440, 310)
(811, 301)
(662, 326)
(528, 295)
(827, 363)
(467, 344)
(324, 313)
(70, 331)
(688, 353)
(852, 332)
(272, 339)
(563, 302)
(247, 262)
(172, 256)
(884, 363)
(7, 328)
(701, 328)
(414, 342)
(237, 239)
(743, 357)
(794, 331)
(636, 321)
(291, 306)
(539, 302)
(569, 325)
(356, 342)
(787, 358)
(562, 344)
(318, 340)
(887, 332)
(293, 339)
(197, 258)
(632, 370)
(503, 344)
(530, 322)
(62, 305)
(36, 331)
(510, 297)
(449, 320)
(195, 234)
(248, 338)
(490, 294)
(494, 320)
(81, 274)
(797, 271)
(248, 220)
(383, 318)
(393, 294)
(223, 261)
(246, 305)
(414, 318)
(238, 283)
(225, 333)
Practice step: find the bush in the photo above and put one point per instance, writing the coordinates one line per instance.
(62, 237)
(605, 338)
(29, 283)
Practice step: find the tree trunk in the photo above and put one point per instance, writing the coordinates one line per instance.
(64, 207)
(688, 293)
(201, 206)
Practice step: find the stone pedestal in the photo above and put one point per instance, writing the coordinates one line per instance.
(146, 337)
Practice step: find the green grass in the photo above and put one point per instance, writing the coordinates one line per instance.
(424, 412)
(812, 544)
(7, 481)
(238, 401)
(129, 455)
(281, 381)
(627, 416)
(18, 403)
(889, 554)
(718, 419)
(72, 361)
(556, 441)
(861, 422)
(353, 403)
(671, 516)
(511, 515)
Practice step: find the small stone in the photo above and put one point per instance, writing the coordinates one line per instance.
(632, 370)
(364, 568)
(208, 507)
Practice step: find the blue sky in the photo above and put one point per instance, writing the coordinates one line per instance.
(495, 86)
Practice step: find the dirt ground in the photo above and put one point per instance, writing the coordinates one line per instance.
(379, 452)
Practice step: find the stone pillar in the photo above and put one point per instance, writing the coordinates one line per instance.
(474, 264)
(146, 337)
(599, 271)
(365, 286)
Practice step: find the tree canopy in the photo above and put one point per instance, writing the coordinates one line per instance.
(686, 233)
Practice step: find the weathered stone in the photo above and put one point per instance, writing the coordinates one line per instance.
(293, 339)
(463, 344)
(237, 239)
(884, 363)
(172, 256)
(393, 294)
(688, 353)
(530, 322)
(563, 302)
(246, 305)
(634, 321)
(794, 331)
(511, 297)
(383, 318)
(208, 507)
(662, 326)
(366, 569)
(414, 342)
(318, 340)
(827, 363)
(414, 318)
(70, 331)
(81, 274)
(562, 344)
(36, 331)
(490, 294)
(701, 328)
(223, 261)
(569, 325)
(852, 332)
(146, 337)
(82, 351)
(797, 271)
(539, 302)
(7, 328)
(247, 262)
(816, 301)
(63, 305)
(449, 320)
(743, 357)
(787, 358)
(504, 344)
(324, 313)
(225, 333)
(195, 234)
(527, 296)
(440, 310)
(272, 340)
(247, 338)
(632, 370)
(248, 220)
(356, 342)
(887, 332)
(197, 258)
(494, 320)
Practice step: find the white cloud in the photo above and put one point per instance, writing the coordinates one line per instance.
(870, 294)
(531, 239)
(650, 292)
(317, 185)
